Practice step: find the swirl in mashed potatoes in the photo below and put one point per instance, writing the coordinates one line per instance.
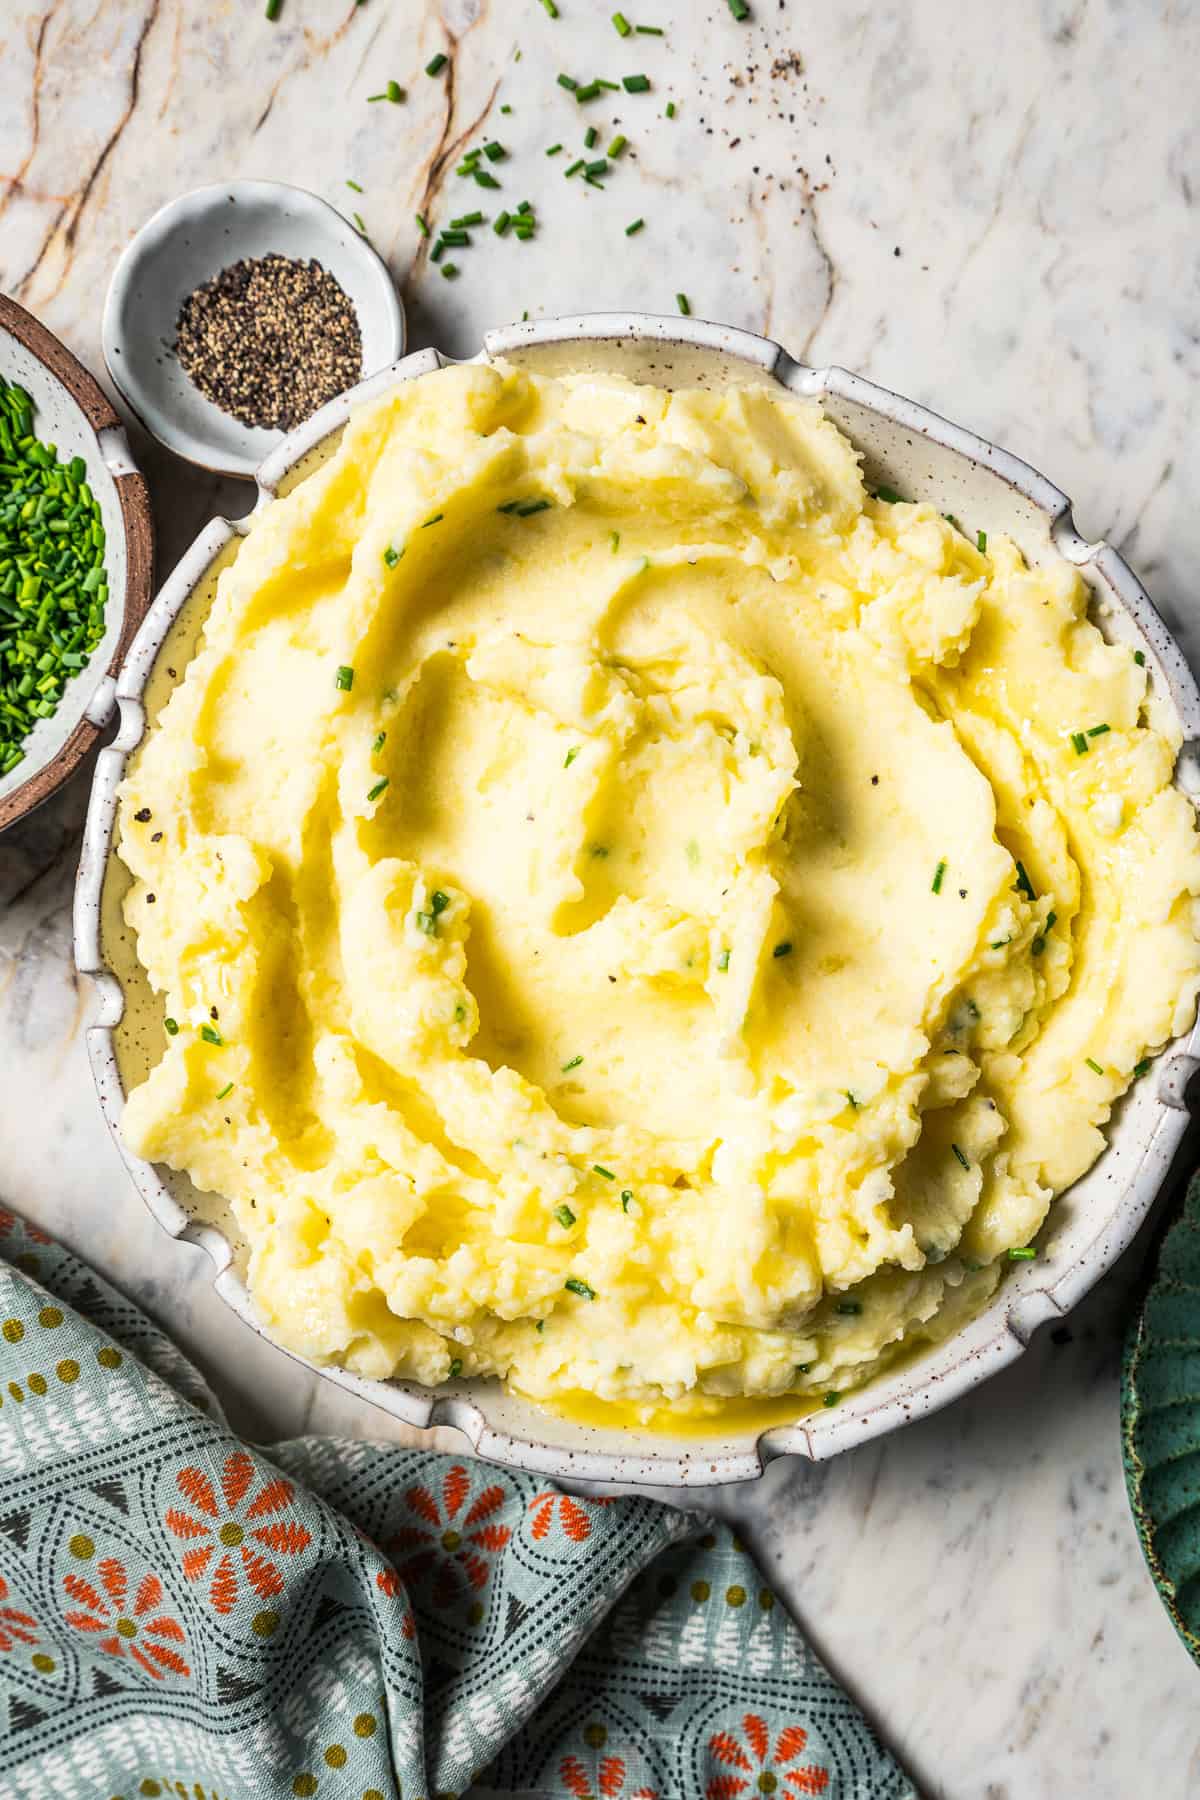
(642, 917)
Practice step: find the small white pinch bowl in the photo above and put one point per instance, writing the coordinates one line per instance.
(923, 457)
(188, 242)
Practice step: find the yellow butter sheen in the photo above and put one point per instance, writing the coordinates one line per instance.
(670, 964)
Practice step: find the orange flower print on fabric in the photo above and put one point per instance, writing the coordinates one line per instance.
(236, 1535)
(574, 1516)
(125, 1623)
(390, 1584)
(448, 1545)
(8, 1225)
(16, 1627)
(753, 1768)
(608, 1783)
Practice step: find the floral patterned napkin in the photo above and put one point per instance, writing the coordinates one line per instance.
(182, 1614)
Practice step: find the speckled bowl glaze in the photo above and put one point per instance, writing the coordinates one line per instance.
(920, 455)
(71, 412)
(188, 242)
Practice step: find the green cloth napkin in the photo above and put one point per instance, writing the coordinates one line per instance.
(182, 1614)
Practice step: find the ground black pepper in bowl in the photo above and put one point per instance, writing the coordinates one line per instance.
(269, 340)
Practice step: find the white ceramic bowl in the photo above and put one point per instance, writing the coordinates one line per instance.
(905, 447)
(191, 240)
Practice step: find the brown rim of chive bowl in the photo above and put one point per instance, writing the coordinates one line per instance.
(71, 404)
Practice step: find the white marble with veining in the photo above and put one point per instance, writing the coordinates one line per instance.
(988, 207)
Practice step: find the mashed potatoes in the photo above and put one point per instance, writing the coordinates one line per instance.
(636, 915)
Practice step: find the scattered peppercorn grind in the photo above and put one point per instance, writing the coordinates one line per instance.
(269, 340)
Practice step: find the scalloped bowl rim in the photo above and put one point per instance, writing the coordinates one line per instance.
(1026, 1300)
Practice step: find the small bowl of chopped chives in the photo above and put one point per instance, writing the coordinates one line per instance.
(76, 560)
(239, 310)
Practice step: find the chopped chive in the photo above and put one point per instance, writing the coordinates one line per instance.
(739, 9)
(1025, 1255)
(614, 541)
(670, 109)
(608, 1175)
(1139, 658)
(436, 64)
(466, 220)
(377, 743)
(427, 922)
(227, 1089)
(1098, 730)
(422, 226)
(565, 1216)
(783, 949)
(572, 753)
(455, 1369)
(854, 1104)
(359, 223)
(503, 221)
(211, 1035)
(574, 169)
(374, 793)
(273, 9)
(549, 7)
(887, 494)
(1080, 743)
(573, 1064)
(632, 230)
(529, 507)
(354, 185)
(803, 1368)
(636, 84)
(609, 87)
(506, 109)
(455, 239)
(590, 136)
(438, 902)
(622, 24)
(1023, 884)
(599, 167)
(436, 520)
(626, 1197)
(495, 151)
(172, 1030)
(618, 144)
(344, 679)
(832, 1397)
(939, 874)
(849, 1308)
(981, 541)
(574, 1285)
(1139, 1068)
(449, 271)
(962, 1157)
(510, 506)
(1093, 1065)
(650, 31)
(723, 961)
(565, 81)
(588, 92)
(484, 180)
(554, 150)
(395, 92)
(683, 303)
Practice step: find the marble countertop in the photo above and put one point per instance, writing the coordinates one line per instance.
(995, 220)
